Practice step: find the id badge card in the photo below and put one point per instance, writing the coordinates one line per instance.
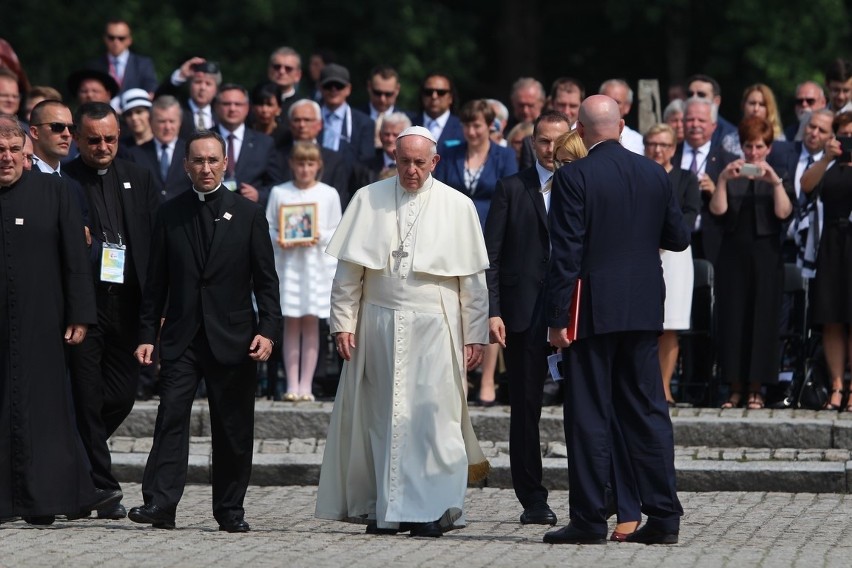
(112, 263)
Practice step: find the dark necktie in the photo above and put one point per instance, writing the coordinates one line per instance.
(810, 162)
(164, 162)
(232, 163)
(693, 167)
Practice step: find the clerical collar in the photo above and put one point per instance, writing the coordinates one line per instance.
(102, 172)
(208, 195)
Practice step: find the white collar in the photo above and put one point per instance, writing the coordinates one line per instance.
(238, 132)
(202, 195)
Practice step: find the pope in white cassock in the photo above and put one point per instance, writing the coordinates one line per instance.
(409, 310)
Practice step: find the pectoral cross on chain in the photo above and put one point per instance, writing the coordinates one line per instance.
(398, 255)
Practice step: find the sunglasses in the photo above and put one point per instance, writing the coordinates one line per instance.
(280, 66)
(427, 92)
(700, 94)
(334, 86)
(380, 94)
(116, 38)
(809, 101)
(96, 140)
(57, 127)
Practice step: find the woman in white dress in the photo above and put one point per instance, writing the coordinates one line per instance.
(660, 142)
(304, 270)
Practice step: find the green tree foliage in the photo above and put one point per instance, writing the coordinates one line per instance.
(483, 45)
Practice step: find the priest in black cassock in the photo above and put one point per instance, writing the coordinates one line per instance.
(46, 302)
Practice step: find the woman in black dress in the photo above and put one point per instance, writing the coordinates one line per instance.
(752, 202)
(830, 179)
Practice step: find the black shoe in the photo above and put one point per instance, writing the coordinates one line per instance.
(41, 520)
(538, 514)
(9, 520)
(153, 515)
(78, 515)
(570, 535)
(372, 528)
(115, 512)
(104, 499)
(650, 535)
(431, 530)
(238, 526)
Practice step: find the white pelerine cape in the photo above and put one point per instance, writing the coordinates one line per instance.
(450, 241)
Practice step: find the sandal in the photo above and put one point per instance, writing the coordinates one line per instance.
(755, 401)
(733, 401)
(830, 405)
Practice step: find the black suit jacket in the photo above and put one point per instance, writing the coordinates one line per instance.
(139, 72)
(711, 231)
(610, 214)
(139, 201)
(259, 164)
(518, 242)
(217, 294)
(176, 181)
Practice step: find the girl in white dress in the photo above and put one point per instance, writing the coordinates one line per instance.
(304, 270)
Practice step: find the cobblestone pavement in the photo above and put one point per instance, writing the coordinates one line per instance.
(719, 529)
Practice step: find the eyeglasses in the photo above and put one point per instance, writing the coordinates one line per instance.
(116, 38)
(280, 66)
(57, 127)
(699, 94)
(201, 162)
(810, 101)
(382, 94)
(427, 92)
(333, 86)
(96, 140)
(662, 145)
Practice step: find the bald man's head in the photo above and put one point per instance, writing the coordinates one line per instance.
(600, 119)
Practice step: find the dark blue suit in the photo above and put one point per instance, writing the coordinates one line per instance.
(138, 73)
(258, 164)
(359, 145)
(610, 214)
(501, 162)
(176, 181)
(452, 134)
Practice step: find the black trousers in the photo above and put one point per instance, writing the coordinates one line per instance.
(526, 363)
(230, 394)
(104, 376)
(616, 377)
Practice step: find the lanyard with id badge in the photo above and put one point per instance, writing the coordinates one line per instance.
(112, 261)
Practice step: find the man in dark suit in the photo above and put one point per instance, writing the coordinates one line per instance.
(338, 172)
(344, 129)
(253, 163)
(700, 154)
(285, 70)
(130, 70)
(706, 87)
(202, 78)
(210, 254)
(436, 99)
(611, 213)
(122, 205)
(382, 91)
(163, 156)
(518, 243)
(809, 97)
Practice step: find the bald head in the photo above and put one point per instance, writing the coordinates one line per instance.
(600, 119)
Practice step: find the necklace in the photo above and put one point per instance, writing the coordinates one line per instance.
(399, 253)
(471, 177)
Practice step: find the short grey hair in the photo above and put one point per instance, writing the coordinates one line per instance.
(677, 105)
(525, 83)
(398, 118)
(165, 102)
(714, 109)
(286, 50)
(619, 82)
(305, 102)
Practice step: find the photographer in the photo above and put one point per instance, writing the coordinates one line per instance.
(752, 202)
(203, 78)
(830, 181)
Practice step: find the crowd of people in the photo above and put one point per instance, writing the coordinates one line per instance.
(205, 227)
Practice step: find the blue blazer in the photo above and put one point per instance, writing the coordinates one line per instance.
(176, 181)
(259, 164)
(501, 162)
(451, 136)
(139, 72)
(610, 214)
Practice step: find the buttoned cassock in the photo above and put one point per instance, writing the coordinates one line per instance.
(400, 445)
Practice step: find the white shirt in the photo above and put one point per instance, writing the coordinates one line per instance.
(45, 167)
(632, 140)
(801, 166)
(544, 175)
(436, 125)
(337, 129)
(120, 62)
(170, 149)
(703, 152)
(206, 113)
(374, 114)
